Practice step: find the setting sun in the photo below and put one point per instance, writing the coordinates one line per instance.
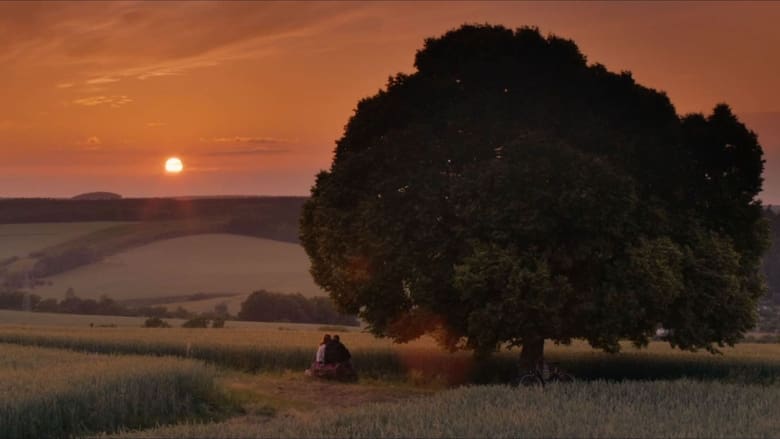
(174, 165)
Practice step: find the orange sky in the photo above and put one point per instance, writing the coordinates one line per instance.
(252, 95)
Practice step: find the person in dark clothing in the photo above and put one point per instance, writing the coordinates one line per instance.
(342, 353)
(331, 352)
(336, 352)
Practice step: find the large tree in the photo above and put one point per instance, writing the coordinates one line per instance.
(507, 192)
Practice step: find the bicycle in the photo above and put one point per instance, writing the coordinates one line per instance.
(542, 374)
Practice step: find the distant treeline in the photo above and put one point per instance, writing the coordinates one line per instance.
(267, 217)
(22, 301)
(260, 306)
(772, 256)
(264, 306)
(768, 317)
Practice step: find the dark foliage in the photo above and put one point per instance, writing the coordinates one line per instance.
(71, 304)
(196, 322)
(156, 322)
(264, 306)
(508, 192)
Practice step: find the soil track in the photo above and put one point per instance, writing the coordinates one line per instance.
(276, 395)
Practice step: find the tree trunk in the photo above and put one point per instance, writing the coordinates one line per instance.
(533, 351)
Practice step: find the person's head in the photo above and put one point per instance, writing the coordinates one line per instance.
(336, 338)
(326, 339)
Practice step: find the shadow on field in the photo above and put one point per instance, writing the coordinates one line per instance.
(426, 367)
(643, 367)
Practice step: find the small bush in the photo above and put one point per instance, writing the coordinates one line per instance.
(218, 323)
(156, 322)
(197, 322)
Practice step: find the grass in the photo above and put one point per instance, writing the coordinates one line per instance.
(638, 393)
(188, 265)
(585, 409)
(264, 349)
(54, 393)
(275, 348)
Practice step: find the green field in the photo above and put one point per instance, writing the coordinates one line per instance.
(208, 263)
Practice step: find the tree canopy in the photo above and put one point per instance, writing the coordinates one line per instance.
(507, 192)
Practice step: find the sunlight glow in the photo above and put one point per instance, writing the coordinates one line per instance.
(174, 165)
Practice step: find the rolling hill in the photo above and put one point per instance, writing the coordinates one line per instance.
(154, 251)
(207, 263)
(19, 240)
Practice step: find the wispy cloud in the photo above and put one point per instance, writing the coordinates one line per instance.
(101, 80)
(115, 101)
(246, 139)
(254, 150)
(246, 145)
(105, 42)
(65, 85)
(155, 124)
(204, 169)
(91, 143)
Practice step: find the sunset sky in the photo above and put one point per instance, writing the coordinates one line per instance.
(252, 95)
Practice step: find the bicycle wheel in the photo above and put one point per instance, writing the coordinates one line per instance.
(530, 380)
(562, 377)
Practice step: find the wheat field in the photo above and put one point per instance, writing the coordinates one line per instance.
(56, 393)
(675, 409)
(276, 348)
(653, 392)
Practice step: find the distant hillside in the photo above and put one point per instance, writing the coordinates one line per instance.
(266, 217)
(98, 196)
(49, 210)
(172, 268)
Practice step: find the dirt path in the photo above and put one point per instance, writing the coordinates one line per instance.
(277, 394)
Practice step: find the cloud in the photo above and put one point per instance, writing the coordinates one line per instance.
(91, 143)
(246, 139)
(101, 80)
(155, 124)
(253, 150)
(204, 169)
(65, 85)
(258, 145)
(105, 42)
(115, 101)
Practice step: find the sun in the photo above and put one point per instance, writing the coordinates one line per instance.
(173, 165)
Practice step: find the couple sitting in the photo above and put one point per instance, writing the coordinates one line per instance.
(332, 360)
